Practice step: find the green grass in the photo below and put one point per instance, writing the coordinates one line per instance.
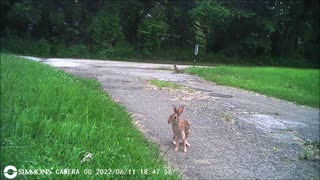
(50, 120)
(297, 85)
(311, 151)
(164, 84)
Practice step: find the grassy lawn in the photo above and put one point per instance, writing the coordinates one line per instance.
(297, 85)
(50, 120)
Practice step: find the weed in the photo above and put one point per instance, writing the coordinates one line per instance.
(311, 151)
(229, 119)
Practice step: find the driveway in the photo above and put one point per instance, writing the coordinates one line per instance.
(236, 134)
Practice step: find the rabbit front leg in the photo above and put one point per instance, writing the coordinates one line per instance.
(174, 140)
(176, 143)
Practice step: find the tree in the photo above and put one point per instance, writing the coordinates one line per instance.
(208, 17)
(152, 31)
(181, 31)
(246, 28)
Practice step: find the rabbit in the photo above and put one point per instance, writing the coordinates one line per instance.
(180, 128)
(176, 70)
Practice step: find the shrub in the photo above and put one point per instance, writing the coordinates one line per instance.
(76, 51)
(121, 51)
(26, 46)
(40, 48)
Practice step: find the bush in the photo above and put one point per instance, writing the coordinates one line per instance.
(41, 48)
(11, 43)
(123, 51)
(76, 51)
(105, 29)
(27, 46)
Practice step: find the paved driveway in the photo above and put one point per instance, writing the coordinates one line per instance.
(236, 134)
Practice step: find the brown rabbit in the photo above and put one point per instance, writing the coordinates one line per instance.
(176, 70)
(180, 128)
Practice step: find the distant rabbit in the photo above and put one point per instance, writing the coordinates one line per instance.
(180, 128)
(176, 70)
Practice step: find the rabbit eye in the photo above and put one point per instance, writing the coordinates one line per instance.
(175, 117)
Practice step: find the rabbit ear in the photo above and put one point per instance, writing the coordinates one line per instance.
(175, 109)
(180, 110)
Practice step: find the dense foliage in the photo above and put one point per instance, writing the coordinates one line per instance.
(249, 30)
